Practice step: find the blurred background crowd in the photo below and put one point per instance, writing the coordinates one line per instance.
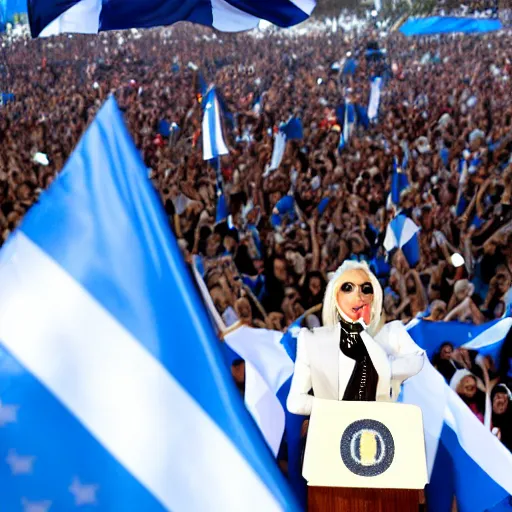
(445, 119)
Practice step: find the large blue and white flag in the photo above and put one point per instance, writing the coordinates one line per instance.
(213, 139)
(402, 233)
(464, 458)
(113, 391)
(50, 17)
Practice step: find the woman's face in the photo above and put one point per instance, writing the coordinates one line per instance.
(467, 387)
(315, 286)
(500, 403)
(355, 295)
(446, 352)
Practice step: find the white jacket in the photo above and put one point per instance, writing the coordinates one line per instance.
(321, 365)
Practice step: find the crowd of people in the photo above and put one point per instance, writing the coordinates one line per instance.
(445, 116)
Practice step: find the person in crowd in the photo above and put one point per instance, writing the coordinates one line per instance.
(501, 399)
(471, 390)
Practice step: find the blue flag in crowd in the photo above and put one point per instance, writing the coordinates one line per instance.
(399, 182)
(6, 97)
(350, 67)
(402, 233)
(213, 139)
(49, 17)
(221, 212)
(293, 129)
(110, 394)
(464, 459)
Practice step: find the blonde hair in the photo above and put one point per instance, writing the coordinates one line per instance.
(330, 313)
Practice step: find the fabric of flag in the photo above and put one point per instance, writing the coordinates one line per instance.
(486, 338)
(267, 368)
(350, 67)
(402, 233)
(399, 182)
(164, 128)
(373, 105)
(213, 140)
(6, 97)
(278, 151)
(222, 212)
(362, 118)
(293, 129)
(113, 392)
(49, 17)
(349, 121)
(284, 209)
(449, 25)
(464, 458)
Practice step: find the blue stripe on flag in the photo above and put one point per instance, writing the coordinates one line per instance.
(411, 251)
(283, 13)
(119, 14)
(399, 182)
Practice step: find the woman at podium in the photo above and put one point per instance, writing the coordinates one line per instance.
(355, 355)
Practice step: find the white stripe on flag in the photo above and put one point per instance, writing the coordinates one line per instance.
(219, 137)
(83, 17)
(390, 241)
(373, 106)
(228, 18)
(305, 5)
(118, 390)
(490, 336)
(278, 151)
(207, 141)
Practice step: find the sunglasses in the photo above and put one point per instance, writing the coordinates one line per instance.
(366, 288)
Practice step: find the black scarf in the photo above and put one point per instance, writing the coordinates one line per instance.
(362, 385)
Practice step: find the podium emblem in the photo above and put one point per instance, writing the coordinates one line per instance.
(367, 447)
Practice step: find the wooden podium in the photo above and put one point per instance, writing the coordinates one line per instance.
(365, 457)
(363, 500)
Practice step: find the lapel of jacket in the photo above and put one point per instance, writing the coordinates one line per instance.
(345, 366)
(326, 348)
(380, 361)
